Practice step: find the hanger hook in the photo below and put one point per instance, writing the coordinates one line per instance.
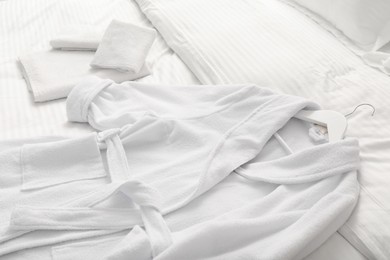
(364, 104)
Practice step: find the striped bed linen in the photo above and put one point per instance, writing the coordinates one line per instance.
(272, 44)
(27, 26)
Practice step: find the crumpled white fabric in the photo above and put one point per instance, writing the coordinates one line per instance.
(379, 60)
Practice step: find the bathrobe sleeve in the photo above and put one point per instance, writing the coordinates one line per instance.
(105, 104)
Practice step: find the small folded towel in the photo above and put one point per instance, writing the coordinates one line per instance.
(52, 74)
(124, 47)
(81, 37)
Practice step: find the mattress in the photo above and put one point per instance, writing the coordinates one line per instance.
(27, 26)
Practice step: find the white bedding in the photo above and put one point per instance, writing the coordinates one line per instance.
(270, 43)
(27, 26)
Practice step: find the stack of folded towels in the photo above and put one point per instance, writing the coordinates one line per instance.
(120, 55)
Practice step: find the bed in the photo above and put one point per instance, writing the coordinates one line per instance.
(181, 58)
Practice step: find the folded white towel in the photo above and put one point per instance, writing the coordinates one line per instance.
(124, 47)
(80, 37)
(52, 74)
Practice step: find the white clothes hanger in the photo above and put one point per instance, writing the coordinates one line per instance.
(335, 122)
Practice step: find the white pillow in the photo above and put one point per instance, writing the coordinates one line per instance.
(366, 22)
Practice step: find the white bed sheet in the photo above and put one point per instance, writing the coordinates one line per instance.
(27, 26)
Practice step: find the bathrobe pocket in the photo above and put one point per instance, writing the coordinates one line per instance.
(53, 163)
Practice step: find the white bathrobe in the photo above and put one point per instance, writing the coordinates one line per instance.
(186, 172)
